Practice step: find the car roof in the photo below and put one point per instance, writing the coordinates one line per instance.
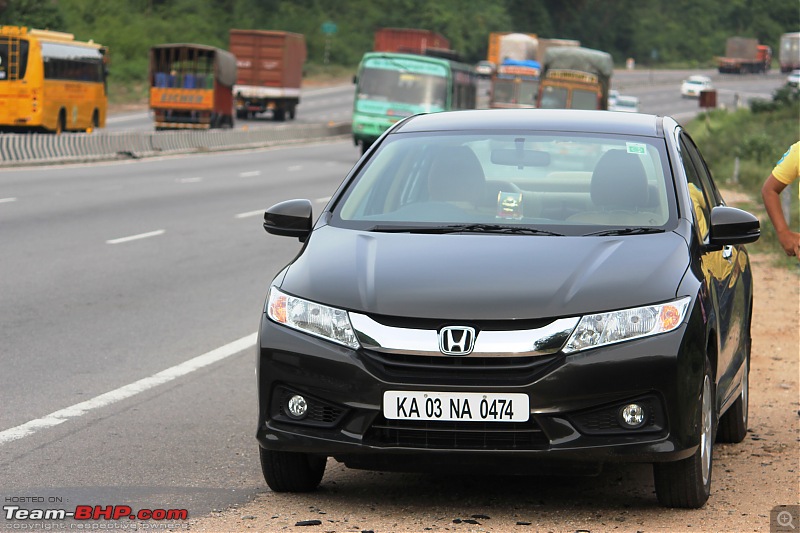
(572, 120)
(698, 78)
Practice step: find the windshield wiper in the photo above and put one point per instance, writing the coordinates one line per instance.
(626, 231)
(464, 228)
(500, 228)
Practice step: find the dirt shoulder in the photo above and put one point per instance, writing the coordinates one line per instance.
(749, 479)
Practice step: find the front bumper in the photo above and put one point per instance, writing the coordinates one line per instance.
(574, 401)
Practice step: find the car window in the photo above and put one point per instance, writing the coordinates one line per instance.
(697, 190)
(569, 180)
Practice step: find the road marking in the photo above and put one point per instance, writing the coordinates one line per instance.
(189, 180)
(250, 214)
(132, 389)
(136, 237)
(7, 200)
(323, 200)
(294, 168)
(249, 174)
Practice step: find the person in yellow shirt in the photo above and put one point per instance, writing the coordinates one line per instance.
(786, 171)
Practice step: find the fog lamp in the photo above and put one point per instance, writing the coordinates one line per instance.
(297, 406)
(632, 416)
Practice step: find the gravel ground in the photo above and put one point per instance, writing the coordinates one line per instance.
(749, 479)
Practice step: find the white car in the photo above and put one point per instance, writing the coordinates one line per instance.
(694, 85)
(613, 94)
(793, 79)
(484, 69)
(628, 104)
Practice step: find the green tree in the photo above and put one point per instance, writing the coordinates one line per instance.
(40, 14)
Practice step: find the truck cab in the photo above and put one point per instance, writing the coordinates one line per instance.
(571, 89)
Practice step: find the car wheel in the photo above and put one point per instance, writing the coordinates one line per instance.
(291, 471)
(733, 424)
(687, 483)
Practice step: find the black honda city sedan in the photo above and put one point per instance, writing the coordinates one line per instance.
(517, 292)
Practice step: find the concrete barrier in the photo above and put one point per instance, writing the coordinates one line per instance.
(40, 148)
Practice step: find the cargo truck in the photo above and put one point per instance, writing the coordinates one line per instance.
(498, 49)
(408, 41)
(515, 81)
(744, 55)
(789, 52)
(191, 86)
(575, 78)
(270, 72)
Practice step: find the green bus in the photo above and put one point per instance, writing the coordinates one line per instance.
(392, 86)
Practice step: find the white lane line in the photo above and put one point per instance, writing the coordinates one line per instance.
(7, 200)
(250, 214)
(132, 389)
(136, 237)
(189, 180)
(249, 174)
(323, 200)
(295, 168)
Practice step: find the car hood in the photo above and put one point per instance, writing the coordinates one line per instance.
(485, 276)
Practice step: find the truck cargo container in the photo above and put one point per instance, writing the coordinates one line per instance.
(744, 55)
(270, 72)
(408, 41)
(789, 52)
(496, 38)
(494, 54)
(191, 86)
(575, 78)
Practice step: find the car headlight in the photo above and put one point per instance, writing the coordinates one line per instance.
(310, 317)
(627, 324)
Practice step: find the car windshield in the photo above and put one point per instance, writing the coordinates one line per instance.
(564, 183)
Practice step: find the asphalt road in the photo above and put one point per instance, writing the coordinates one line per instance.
(114, 273)
(658, 90)
(327, 104)
(85, 312)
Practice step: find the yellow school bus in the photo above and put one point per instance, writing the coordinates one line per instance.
(50, 82)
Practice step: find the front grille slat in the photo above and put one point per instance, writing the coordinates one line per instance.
(456, 435)
(457, 370)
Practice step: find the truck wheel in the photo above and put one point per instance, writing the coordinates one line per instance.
(291, 113)
(687, 483)
(279, 115)
(291, 471)
(241, 114)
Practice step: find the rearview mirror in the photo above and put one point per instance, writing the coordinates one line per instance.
(291, 218)
(520, 158)
(729, 225)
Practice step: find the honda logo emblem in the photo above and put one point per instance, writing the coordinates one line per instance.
(456, 340)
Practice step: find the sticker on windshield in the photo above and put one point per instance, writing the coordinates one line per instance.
(636, 148)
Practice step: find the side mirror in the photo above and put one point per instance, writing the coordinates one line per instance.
(291, 218)
(729, 225)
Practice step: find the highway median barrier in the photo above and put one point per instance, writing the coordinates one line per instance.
(46, 149)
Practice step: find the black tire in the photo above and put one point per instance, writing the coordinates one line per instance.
(279, 115)
(95, 121)
(733, 424)
(61, 124)
(241, 114)
(292, 111)
(687, 483)
(290, 471)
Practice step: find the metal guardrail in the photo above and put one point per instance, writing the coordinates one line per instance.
(40, 148)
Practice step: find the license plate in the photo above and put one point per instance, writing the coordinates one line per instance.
(456, 406)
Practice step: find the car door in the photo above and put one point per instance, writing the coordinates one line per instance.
(723, 272)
